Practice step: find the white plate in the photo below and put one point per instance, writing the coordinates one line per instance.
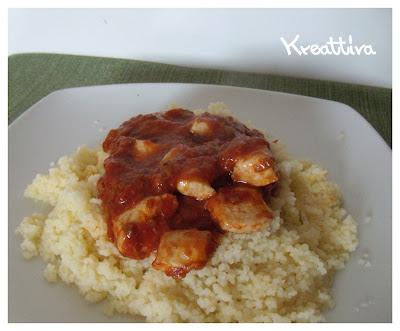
(360, 163)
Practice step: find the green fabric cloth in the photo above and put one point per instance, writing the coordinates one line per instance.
(33, 76)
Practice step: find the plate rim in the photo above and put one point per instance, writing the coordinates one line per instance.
(253, 90)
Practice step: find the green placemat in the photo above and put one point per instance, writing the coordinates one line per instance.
(33, 76)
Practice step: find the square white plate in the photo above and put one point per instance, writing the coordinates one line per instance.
(329, 133)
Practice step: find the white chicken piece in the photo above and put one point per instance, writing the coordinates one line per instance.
(255, 169)
(183, 250)
(143, 148)
(239, 209)
(137, 231)
(196, 188)
(200, 127)
(148, 208)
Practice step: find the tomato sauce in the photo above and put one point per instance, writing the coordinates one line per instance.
(131, 176)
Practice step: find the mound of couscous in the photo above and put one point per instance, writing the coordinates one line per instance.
(283, 274)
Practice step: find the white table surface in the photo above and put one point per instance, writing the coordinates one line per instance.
(235, 39)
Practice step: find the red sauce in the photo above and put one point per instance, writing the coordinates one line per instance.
(192, 214)
(130, 177)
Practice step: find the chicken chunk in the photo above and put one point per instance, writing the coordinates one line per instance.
(138, 230)
(239, 209)
(183, 250)
(188, 184)
(195, 188)
(143, 148)
(200, 127)
(256, 169)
